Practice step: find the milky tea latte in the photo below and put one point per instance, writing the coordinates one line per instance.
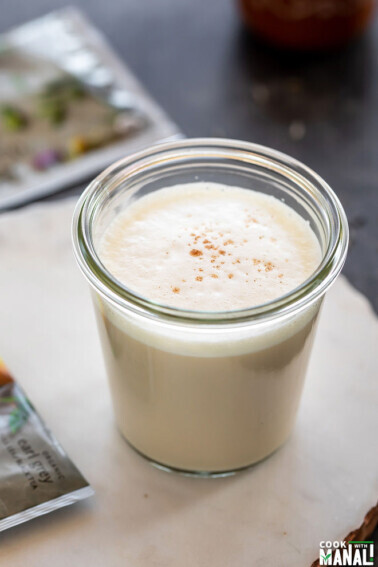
(206, 398)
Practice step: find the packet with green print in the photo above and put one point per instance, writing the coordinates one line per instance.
(36, 475)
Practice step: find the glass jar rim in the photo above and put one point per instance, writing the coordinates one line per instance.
(123, 297)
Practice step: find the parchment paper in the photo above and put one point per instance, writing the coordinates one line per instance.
(318, 487)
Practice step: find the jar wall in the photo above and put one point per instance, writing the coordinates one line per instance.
(204, 414)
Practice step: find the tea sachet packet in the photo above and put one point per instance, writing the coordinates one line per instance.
(36, 475)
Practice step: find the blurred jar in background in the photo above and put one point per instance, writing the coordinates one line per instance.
(307, 24)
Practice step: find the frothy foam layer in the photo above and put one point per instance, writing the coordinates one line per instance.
(210, 247)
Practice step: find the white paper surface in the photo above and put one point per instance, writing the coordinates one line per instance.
(318, 487)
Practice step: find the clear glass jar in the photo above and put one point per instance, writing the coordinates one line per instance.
(207, 393)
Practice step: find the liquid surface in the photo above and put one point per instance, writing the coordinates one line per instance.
(210, 247)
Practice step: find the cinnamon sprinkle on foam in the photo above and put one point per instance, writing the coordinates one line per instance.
(195, 252)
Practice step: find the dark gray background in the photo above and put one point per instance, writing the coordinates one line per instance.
(214, 80)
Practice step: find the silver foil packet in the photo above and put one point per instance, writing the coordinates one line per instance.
(69, 107)
(36, 475)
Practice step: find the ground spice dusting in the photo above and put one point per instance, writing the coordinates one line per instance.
(214, 256)
(195, 252)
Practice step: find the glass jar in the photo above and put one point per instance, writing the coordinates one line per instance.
(207, 393)
(307, 24)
